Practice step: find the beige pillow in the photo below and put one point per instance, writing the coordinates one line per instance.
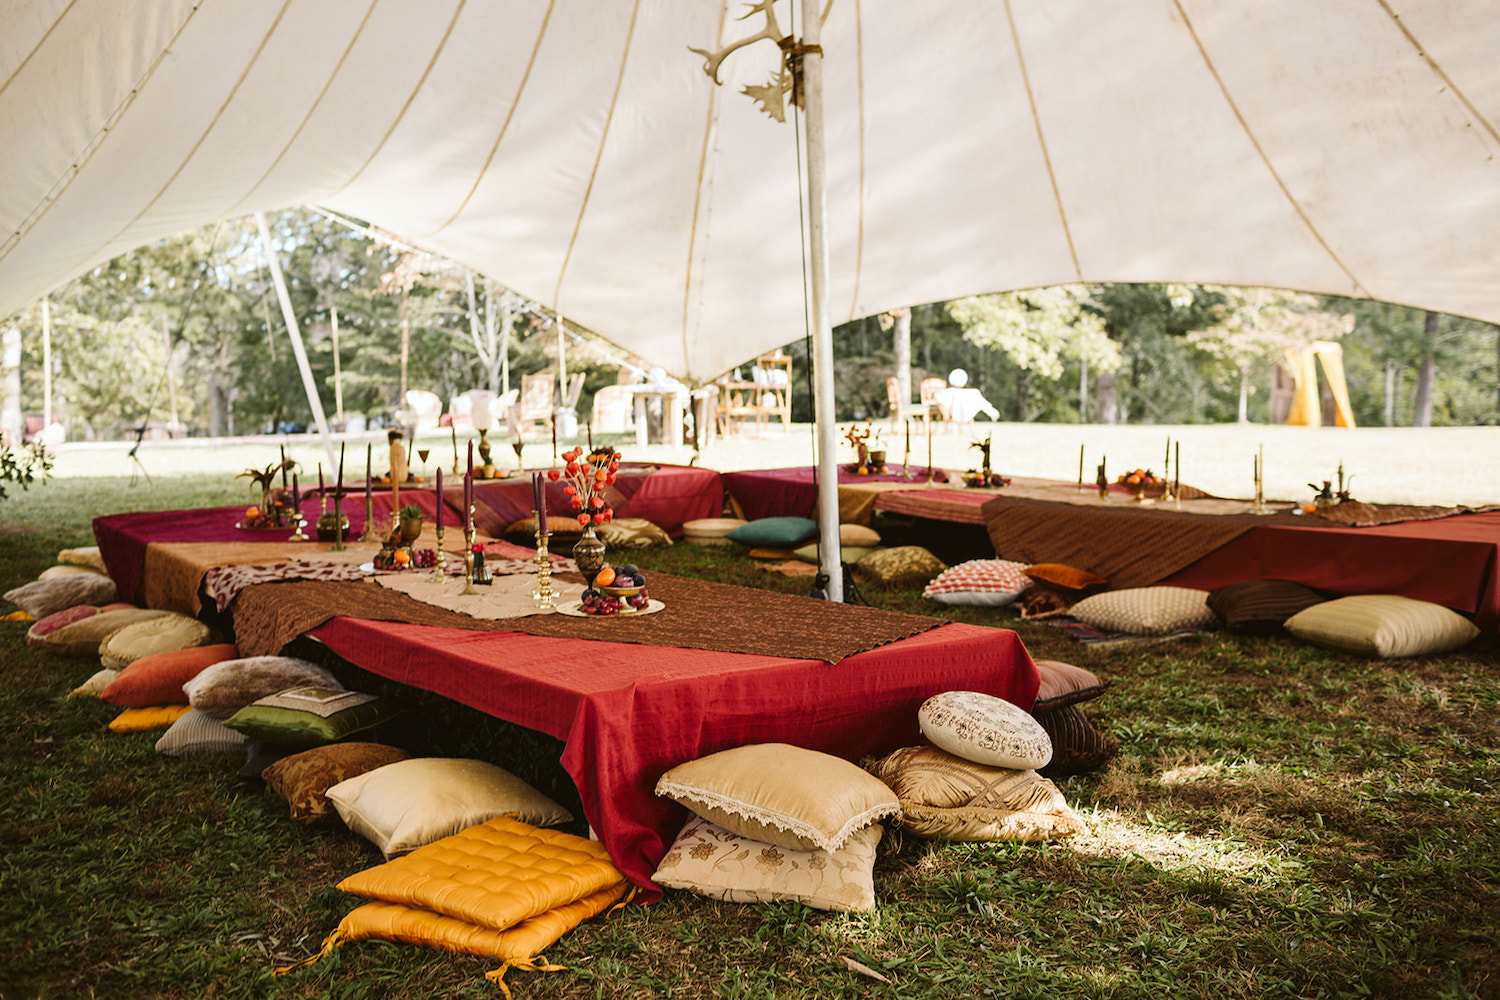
(713, 862)
(1146, 610)
(902, 566)
(850, 554)
(82, 638)
(165, 634)
(780, 794)
(632, 533)
(405, 805)
(199, 733)
(95, 685)
(858, 535)
(88, 556)
(53, 572)
(711, 530)
(225, 688)
(944, 797)
(40, 598)
(1383, 625)
(985, 729)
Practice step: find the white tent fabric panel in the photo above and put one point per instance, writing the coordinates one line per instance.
(576, 152)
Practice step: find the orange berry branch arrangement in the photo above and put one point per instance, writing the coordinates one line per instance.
(587, 475)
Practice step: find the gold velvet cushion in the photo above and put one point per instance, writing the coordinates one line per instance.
(632, 533)
(711, 861)
(157, 679)
(311, 716)
(405, 805)
(945, 797)
(88, 556)
(53, 572)
(165, 634)
(225, 688)
(83, 637)
(198, 733)
(40, 598)
(780, 794)
(902, 566)
(858, 536)
(1382, 625)
(984, 729)
(1146, 610)
(989, 583)
(303, 779)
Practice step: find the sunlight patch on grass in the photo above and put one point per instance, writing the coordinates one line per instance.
(1113, 834)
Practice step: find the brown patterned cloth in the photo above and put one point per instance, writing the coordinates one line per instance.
(1357, 514)
(698, 615)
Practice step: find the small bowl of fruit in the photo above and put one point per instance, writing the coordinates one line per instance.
(617, 590)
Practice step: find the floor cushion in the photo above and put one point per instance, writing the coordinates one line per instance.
(632, 533)
(899, 567)
(1064, 576)
(83, 637)
(989, 583)
(40, 598)
(1078, 745)
(53, 572)
(87, 556)
(37, 634)
(985, 729)
(850, 554)
(1146, 610)
(402, 806)
(858, 536)
(780, 794)
(1261, 607)
(303, 779)
(157, 679)
(1382, 625)
(945, 797)
(1064, 684)
(225, 688)
(140, 720)
(198, 733)
(165, 634)
(95, 685)
(710, 530)
(774, 532)
(311, 716)
(712, 861)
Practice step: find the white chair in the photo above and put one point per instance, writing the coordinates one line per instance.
(425, 408)
(612, 409)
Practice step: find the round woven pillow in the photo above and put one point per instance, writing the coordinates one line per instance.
(159, 635)
(985, 729)
(710, 530)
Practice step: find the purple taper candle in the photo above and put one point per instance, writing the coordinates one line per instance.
(469, 501)
(439, 504)
(296, 494)
(368, 447)
(338, 484)
(320, 480)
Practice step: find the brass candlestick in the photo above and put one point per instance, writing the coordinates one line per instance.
(544, 595)
(298, 520)
(440, 568)
(338, 522)
(469, 590)
(369, 533)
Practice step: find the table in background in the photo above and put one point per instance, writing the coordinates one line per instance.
(793, 492)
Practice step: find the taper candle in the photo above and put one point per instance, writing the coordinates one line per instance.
(1177, 472)
(554, 442)
(320, 481)
(369, 450)
(588, 428)
(929, 447)
(283, 465)
(1080, 468)
(468, 521)
(439, 505)
(1166, 470)
(908, 435)
(471, 460)
(296, 496)
(454, 431)
(338, 484)
(541, 509)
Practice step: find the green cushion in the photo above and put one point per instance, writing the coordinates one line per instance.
(774, 532)
(311, 716)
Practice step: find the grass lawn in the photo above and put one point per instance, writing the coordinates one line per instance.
(1280, 822)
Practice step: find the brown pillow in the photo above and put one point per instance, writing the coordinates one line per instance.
(303, 778)
(944, 797)
(158, 679)
(1261, 607)
(1064, 684)
(1077, 743)
(1067, 577)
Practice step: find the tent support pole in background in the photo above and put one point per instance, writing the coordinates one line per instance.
(824, 414)
(46, 363)
(295, 333)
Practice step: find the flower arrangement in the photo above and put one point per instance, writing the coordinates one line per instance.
(587, 475)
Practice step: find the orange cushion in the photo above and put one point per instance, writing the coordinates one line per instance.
(1060, 575)
(158, 679)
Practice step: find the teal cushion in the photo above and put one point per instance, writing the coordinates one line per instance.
(850, 554)
(774, 532)
(311, 717)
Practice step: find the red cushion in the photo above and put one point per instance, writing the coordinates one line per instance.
(158, 679)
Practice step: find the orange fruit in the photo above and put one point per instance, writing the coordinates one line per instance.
(401, 558)
(251, 513)
(606, 576)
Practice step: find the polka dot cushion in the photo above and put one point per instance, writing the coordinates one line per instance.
(984, 582)
(1146, 610)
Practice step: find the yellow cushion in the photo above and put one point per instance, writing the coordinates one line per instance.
(140, 720)
(88, 556)
(780, 794)
(1384, 625)
(405, 805)
(858, 535)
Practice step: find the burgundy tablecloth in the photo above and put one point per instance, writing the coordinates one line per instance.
(793, 492)
(628, 715)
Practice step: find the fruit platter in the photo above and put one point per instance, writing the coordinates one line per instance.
(616, 591)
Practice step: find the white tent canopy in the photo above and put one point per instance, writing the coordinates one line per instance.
(576, 151)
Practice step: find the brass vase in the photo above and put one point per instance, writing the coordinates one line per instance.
(411, 530)
(589, 555)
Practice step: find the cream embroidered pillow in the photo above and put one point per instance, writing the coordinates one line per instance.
(1383, 625)
(984, 729)
(713, 862)
(1146, 610)
(780, 794)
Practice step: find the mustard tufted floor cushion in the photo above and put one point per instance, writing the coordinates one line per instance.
(503, 889)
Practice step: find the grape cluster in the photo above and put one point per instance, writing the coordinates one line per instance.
(424, 558)
(595, 603)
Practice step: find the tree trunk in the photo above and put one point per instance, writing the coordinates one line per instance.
(1422, 395)
(1390, 393)
(1107, 399)
(901, 338)
(1244, 416)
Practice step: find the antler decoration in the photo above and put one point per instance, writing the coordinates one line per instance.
(773, 94)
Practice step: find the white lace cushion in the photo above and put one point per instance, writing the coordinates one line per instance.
(985, 729)
(709, 860)
(781, 795)
(1384, 625)
(1146, 610)
(982, 582)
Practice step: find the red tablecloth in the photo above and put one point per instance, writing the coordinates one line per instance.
(629, 714)
(793, 492)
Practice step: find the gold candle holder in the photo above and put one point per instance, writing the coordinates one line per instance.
(544, 595)
(440, 568)
(469, 590)
(338, 522)
(369, 533)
